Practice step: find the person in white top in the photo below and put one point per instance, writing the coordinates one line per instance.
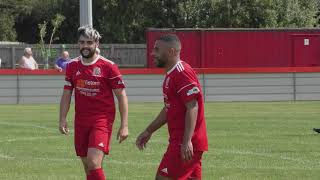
(27, 61)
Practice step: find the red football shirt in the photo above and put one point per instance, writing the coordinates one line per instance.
(180, 86)
(93, 84)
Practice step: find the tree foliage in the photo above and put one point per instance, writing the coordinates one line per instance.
(125, 21)
(10, 10)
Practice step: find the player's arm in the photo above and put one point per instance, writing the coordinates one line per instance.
(65, 102)
(157, 123)
(190, 123)
(123, 109)
(64, 109)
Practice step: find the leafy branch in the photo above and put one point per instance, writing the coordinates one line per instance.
(46, 51)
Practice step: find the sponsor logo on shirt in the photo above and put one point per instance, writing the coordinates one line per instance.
(120, 82)
(96, 72)
(78, 73)
(194, 90)
(88, 88)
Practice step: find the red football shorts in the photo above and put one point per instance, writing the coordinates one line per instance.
(91, 137)
(172, 165)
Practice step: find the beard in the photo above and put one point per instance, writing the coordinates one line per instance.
(161, 62)
(89, 55)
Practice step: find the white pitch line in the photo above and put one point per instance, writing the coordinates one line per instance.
(261, 154)
(131, 163)
(29, 138)
(3, 156)
(26, 125)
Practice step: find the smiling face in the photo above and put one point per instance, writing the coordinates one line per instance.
(87, 47)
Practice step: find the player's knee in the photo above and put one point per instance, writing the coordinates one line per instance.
(93, 163)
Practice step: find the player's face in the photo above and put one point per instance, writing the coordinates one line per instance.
(160, 54)
(87, 47)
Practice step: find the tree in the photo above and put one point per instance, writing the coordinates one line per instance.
(46, 51)
(27, 24)
(10, 9)
(297, 13)
(125, 21)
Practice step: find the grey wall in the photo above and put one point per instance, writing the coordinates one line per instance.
(147, 88)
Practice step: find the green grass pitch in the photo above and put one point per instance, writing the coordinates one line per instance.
(247, 140)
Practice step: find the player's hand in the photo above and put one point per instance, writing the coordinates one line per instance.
(187, 151)
(63, 127)
(123, 133)
(142, 140)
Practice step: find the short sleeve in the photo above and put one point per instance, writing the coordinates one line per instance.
(115, 78)
(187, 86)
(69, 85)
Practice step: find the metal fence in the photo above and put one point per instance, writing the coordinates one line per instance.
(125, 55)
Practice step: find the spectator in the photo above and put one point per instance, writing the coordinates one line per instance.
(62, 62)
(27, 61)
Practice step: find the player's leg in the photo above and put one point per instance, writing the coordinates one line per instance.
(94, 158)
(98, 146)
(85, 164)
(81, 140)
(94, 162)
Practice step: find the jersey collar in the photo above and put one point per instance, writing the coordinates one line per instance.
(174, 67)
(88, 64)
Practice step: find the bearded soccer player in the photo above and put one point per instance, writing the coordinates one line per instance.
(183, 112)
(94, 79)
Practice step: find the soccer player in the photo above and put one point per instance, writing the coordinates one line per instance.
(183, 111)
(94, 79)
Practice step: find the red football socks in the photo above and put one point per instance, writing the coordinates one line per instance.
(96, 174)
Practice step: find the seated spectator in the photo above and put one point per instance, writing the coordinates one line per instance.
(27, 61)
(62, 62)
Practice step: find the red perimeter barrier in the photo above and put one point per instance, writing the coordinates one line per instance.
(143, 71)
